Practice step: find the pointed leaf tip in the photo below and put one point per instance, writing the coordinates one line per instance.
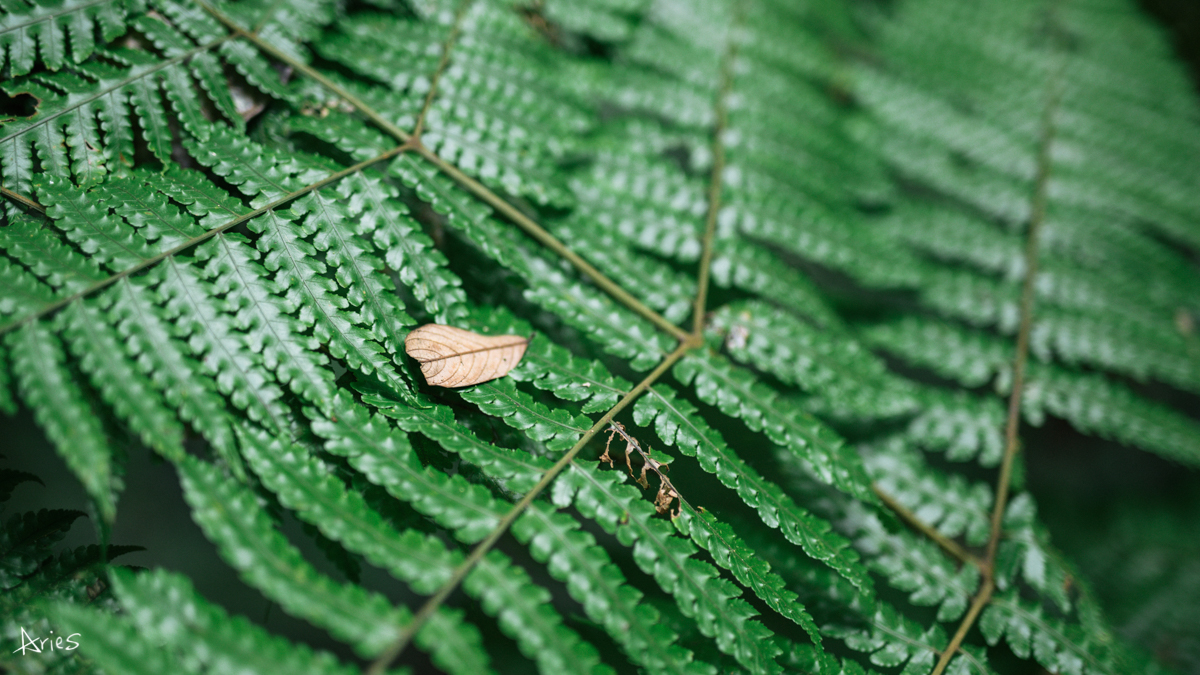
(453, 357)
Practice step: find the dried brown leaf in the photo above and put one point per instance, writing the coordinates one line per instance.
(453, 357)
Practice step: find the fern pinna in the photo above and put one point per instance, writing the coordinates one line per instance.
(720, 217)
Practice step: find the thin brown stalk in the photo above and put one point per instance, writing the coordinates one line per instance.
(22, 200)
(198, 239)
(947, 544)
(266, 16)
(451, 40)
(714, 193)
(394, 650)
(1013, 422)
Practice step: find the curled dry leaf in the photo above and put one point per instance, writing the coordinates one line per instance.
(453, 357)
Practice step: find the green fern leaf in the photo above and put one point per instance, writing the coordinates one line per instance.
(92, 227)
(62, 409)
(50, 24)
(523, 609)
(387, 459)
(515, 470)
(739, 394)
(677, 423)
(147, 337)
(129, 391)
(1054, 643)
(167, 610)
(25, 293)
(26, 540)
(505, 590)
(557, 428)
(574, 557)
(852, 380)
(1089, 401)
(260, 307)
(305, 486)
(229, 515)
(39, 249)
(229, 357)
(701, 594)
(733, 554)
(944, 501)
(114, 642)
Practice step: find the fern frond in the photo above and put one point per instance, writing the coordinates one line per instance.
(306, 487)
(150, 340)
(851, 380)
(1091, 402)
(26, 539)
(261, 308)
(893, 640)
(961, 424)
(515, 470)
(915, 566)
(798, 180)
(574, 557)
(51, 26)
(25, 293)
(90, 226)
(124, 84)
(739, 394)
(556, 428)
(166, 609)
(1030, 632)
(229, 356)
(387, 459)
(702, 595)
(64, 412)
(478, 119)
(556, 540)
(26, 240)
(229, 514)
(677, 423)
(581, 307)
(944, 501)
(609, 21)
(128, 390)
(730, 552)
(524, 611)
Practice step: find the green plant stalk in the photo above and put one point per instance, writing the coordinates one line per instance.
(1013, 423)
(198, 239)
(394, 650)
